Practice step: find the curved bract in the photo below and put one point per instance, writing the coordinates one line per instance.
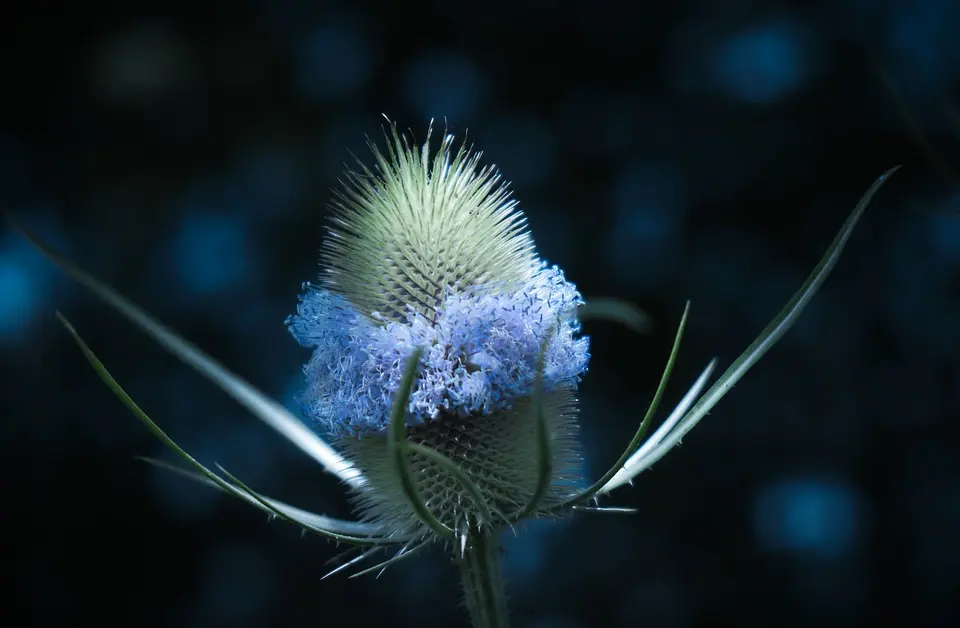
(262, 406)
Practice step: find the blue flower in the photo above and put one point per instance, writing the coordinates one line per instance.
(481, 353)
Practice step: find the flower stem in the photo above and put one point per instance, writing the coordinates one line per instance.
(482, 582)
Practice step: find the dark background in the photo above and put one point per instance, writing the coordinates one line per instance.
(184, 152)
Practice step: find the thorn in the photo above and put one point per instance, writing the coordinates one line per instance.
(353, 561)
(340, 556)
(606, 509)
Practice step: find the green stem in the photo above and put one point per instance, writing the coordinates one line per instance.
(482, 581)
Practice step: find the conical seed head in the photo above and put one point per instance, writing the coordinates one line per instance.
(498, 453)
(418, 224)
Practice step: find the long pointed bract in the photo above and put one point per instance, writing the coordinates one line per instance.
(630, 468)
(265, 408)
(128, 401)
(296, 515)
(288, 516)
(783, 321)
(619, 465)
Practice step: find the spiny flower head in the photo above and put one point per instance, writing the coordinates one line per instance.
(430, 251)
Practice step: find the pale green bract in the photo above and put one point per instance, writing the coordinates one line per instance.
(420, 227)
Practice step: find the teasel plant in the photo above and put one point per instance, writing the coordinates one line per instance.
(446, 356)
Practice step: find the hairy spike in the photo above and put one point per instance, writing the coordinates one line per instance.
(353, 561)
(404, 552)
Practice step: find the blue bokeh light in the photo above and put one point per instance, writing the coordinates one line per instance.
(524, 551)
(211, 252)
(270, 181)
(648, 207)
(522, 146)
(764, 64)
(925, 248)
(943, 228)
(810, 517)
(445, 85)
(22, 296)
(922, 36)
(248, 448)
(240, 580)
(334, 61)
(27, 280)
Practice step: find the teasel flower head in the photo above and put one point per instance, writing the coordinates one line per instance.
(429, 252)
(442, 384)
